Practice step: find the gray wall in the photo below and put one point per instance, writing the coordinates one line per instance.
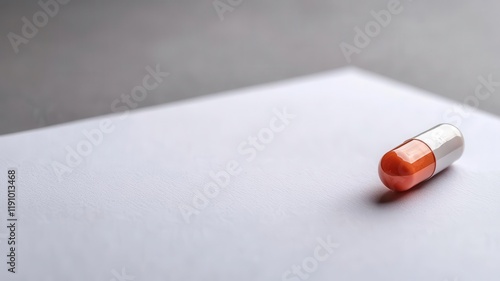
(91, 52)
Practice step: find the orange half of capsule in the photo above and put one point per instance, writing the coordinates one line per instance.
(407, 165)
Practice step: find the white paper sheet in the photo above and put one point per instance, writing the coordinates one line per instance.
(117, 214)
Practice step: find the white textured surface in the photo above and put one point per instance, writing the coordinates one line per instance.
(317, 178)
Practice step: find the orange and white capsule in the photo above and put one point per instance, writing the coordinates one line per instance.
(421, 157)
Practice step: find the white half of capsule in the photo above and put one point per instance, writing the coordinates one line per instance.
(446, 142)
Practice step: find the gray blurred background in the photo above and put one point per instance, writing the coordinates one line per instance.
(91, 52)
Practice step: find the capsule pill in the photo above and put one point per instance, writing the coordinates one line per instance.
(421, 157)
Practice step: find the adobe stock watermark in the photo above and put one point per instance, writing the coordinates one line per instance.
(309, 265)
(363, 37)
(483, 91)
(30, 28)
(249, 148)
(223, 6)
(94, 137)
(121, 276)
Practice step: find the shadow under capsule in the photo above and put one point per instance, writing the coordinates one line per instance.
(389, 196)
